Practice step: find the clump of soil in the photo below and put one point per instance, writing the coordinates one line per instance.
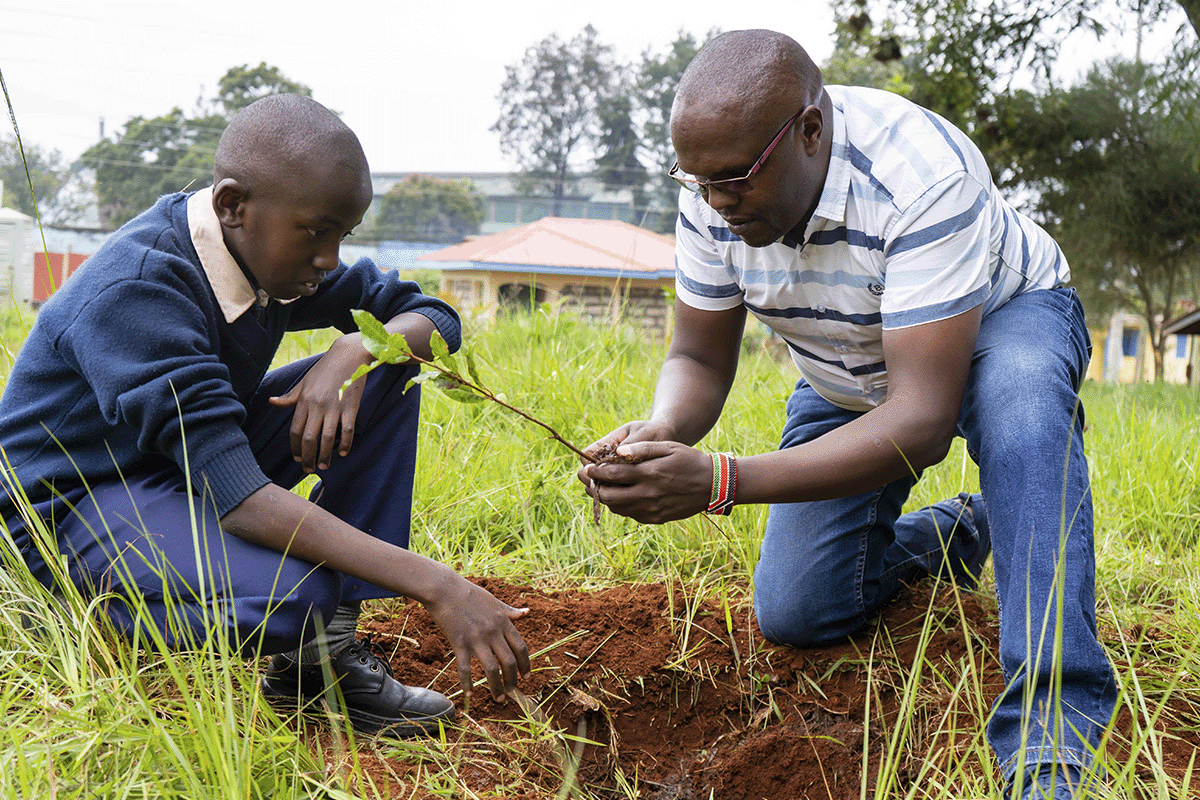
(606, 454)
(665, 697)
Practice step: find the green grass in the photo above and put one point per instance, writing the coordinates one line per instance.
(88, 715)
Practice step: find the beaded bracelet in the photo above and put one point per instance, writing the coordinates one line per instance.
(724, 483)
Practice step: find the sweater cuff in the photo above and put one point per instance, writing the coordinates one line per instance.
(228, 478)
(447, 324)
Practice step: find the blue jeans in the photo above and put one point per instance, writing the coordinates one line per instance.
(135, 537)
(826, 567)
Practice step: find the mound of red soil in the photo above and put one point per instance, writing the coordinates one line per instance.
(670, 700)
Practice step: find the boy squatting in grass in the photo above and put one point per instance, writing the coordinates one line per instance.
(917, 304)
(149, 368)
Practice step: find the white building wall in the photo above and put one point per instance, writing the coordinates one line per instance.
(16, 257)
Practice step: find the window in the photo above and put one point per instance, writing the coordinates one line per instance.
(517, 298)
(1181, 346)
(1129, 342)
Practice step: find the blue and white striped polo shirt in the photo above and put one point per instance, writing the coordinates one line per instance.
(909, 229)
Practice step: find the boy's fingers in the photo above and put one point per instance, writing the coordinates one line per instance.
(464, 670)
(284, 400)
(517, 645)
(296, 433)
(329, 434)
(347, 430)
(351, 398)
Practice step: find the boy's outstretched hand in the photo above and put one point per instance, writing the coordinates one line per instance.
(480, 626)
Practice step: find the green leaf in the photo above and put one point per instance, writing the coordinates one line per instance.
(438, 345)
(462, 395)
(358, 373)
(444, 381)
(472, 370)
(455, 390)
(421, 378)
(391, 348)
(426, 375)
(441, 351)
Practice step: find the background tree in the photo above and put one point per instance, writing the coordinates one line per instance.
(618, 164)
(864, 54)
(425, 209)
(656, 80)
(241, 86)
(550, 106)
(154, 156)
(1113, 164)
(959, 57)
(57, 187)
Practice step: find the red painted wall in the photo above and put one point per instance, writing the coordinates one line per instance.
(46, 281)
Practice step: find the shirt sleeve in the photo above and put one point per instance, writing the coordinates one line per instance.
(703, 279)
(937, 254)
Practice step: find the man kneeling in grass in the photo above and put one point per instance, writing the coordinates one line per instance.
(141, 425)
(917, 305)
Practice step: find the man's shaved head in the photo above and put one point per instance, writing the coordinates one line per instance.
(749, 74)
(275, 141)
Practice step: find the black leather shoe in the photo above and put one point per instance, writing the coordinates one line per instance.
(374, 701)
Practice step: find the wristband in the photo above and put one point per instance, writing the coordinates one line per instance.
(724, 484)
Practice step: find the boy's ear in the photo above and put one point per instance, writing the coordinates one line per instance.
(229, 202)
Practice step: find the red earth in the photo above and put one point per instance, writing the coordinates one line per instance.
(650, 690)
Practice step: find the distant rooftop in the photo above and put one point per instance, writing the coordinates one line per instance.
(567, 246)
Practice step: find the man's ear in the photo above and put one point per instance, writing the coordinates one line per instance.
(811, 125)
(229, 202)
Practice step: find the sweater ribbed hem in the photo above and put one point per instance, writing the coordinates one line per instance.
(447, 324)
(229, 477)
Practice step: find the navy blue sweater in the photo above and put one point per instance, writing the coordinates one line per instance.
(132, 362)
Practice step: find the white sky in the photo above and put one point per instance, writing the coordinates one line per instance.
(417, 81)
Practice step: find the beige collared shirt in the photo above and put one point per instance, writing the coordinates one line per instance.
(234, 292)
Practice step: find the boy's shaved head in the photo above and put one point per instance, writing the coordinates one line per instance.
(275, 141)
(291, 183)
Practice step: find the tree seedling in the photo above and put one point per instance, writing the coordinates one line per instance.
(444, 372)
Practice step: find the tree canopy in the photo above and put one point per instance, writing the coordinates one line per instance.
(570, 109)
(154, 156)
(57, 187)
(424, 209)
(550, 110)
(656, 80)
(1115, 166)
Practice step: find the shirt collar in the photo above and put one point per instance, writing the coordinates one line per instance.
(836, 192)
(234, 292)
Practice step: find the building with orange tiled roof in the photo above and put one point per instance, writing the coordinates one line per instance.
(604, 270)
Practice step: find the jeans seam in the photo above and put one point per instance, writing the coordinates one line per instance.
(861, 565)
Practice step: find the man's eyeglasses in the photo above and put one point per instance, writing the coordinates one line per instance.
(738, 186)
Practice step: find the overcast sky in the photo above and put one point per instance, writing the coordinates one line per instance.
(416, 80)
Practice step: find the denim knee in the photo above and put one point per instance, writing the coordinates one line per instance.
(803, 622)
